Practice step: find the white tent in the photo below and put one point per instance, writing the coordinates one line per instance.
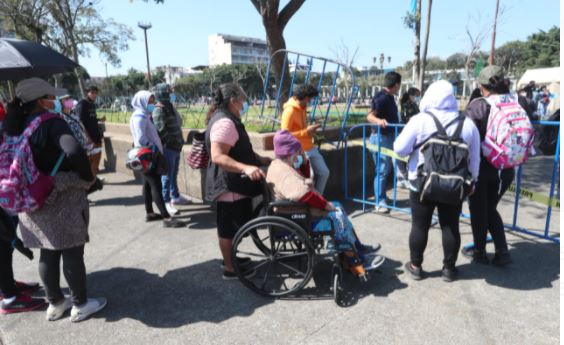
(542, 76)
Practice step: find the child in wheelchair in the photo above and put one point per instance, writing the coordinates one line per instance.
(288, 177)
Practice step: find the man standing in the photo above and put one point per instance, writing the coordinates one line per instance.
(169, 126)
(384, 111)
(294, 120)
(86, 111)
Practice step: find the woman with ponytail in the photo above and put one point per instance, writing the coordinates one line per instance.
(234, 174)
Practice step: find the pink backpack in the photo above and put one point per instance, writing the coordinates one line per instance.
(23, 187)
(509, 135)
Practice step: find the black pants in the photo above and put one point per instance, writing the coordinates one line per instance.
(7, 282)
(153, 191)
(421, 218)
(491, 186)
(73, 269)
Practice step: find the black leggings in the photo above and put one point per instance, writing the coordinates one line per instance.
(7, 282)
(421, 218)
(73, 269)
(153, 190)
(491, 186)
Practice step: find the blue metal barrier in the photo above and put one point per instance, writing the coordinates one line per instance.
(328, 66)
(397, 127)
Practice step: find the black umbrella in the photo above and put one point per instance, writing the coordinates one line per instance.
(20, 59)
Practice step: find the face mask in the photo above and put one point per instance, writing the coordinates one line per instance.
(417, 99)
(245, 108)
(299, 161)
(150, 108)
(172, 98)
(68, 103)
(57, 108)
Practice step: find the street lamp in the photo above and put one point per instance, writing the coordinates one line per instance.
(382, 58)
(145, 27)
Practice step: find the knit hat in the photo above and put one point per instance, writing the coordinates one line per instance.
(285, 144)
(491, 71)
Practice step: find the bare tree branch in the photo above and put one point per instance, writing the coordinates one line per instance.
(288, 11)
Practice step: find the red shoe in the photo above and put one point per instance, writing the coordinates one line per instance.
(21, 304)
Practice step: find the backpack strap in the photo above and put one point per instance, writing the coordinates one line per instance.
(433, 134)
(458, 131)
(440, 129)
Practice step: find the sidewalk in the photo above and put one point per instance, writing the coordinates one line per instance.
(164, 287)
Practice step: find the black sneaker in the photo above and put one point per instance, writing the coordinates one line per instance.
(475, 255)
(415, 272)
(242, 262)
(173, 223)
(153, 217)
(232, 276)
(449, 274)
(27, 288)
(20, 304)
(501, 259)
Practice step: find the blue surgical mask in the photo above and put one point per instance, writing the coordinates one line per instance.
(172, 98)
(245, 108)
(58, 107)
(150, 108)
(417, 99)
(299, 161)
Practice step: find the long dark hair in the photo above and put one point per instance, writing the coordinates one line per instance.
(222, 96)
(412, 91)
(16, 114)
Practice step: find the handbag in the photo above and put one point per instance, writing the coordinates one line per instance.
(198, 157)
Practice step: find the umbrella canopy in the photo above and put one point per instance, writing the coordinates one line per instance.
(20, 59)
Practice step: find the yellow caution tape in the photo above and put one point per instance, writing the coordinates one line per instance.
(383, 150)
(536, 197)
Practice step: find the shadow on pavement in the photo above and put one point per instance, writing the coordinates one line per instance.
(182, 296)
(535, 266)
(120, 201)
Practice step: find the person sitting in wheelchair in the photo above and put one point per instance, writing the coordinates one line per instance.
(289, 178)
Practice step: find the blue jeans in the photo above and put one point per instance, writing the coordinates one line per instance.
(386, 170)
(170, 185)
(320, 169)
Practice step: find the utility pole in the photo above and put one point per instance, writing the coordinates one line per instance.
(145, 27)
(492, 51)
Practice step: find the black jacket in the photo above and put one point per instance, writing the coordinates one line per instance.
(86, 110)
(219, 181)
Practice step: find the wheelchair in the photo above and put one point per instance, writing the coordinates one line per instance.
(283, 248)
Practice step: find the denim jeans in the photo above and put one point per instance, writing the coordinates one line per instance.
(385, 172)
(170, 185)
(320, 169)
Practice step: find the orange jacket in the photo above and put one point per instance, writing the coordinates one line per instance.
(294, 120)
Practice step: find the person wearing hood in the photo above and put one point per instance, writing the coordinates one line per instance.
(294, 120)
(60, 227)
(145, 134)
(440, 101)
(169, 126)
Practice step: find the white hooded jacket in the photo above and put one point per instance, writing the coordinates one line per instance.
(439, 99)
(142, 127)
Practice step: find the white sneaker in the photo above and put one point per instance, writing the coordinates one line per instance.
(180, 201)
(170, 209)
(82, 312)
(372, 262)
(55, 312)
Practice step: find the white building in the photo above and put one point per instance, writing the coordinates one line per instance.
(228, 50)
(173, 73)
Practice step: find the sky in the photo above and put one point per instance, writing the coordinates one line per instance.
(181, 28)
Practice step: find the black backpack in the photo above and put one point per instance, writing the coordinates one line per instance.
(444, 176)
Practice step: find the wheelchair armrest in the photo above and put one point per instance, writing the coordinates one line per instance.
(288, 203)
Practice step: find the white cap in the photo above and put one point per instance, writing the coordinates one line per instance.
(33, 88)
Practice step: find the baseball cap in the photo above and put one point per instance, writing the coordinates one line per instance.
(33, 88)
(489, 72)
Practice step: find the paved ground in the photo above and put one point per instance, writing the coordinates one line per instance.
(164, 287)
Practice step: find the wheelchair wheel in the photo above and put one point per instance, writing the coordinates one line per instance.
(337, 286)
(282, 259)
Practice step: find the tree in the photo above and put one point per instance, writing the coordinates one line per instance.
(456, 61)
(345, 56)
(70, 27)
(475, 40)
(274, 22)
(413, 21)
